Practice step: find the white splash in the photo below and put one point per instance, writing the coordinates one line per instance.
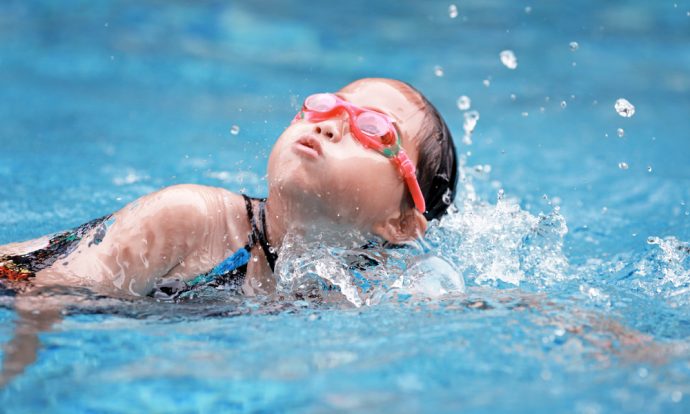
(503, 243)
(665, 270)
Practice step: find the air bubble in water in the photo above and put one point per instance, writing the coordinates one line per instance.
(453, 11)
(620, 132)
(573, 46)
(624, 108)
(508, 59)
(623, 165)
(438, 71)
(464, 103)
(235, 129)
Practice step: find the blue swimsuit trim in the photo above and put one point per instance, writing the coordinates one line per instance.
(235, 261)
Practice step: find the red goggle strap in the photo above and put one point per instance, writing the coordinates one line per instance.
(409, 173)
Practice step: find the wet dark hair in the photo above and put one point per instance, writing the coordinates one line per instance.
(437, 169)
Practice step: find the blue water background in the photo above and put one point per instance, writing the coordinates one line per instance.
(102, 102)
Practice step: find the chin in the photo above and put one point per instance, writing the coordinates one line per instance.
(291, 180)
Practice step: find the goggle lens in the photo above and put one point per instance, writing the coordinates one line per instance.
(321, 102)
(375, 126)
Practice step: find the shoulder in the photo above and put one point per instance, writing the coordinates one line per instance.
(184, 204)
(191, 197)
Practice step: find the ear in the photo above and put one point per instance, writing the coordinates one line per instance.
(402, 227)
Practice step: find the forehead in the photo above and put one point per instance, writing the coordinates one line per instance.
(389, 96)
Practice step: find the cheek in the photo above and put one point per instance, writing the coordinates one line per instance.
(367, 186)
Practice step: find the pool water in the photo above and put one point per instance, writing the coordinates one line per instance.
(559, 283)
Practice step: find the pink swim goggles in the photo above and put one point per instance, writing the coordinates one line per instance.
(372, 129)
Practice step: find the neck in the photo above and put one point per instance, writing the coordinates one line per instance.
(303, 219)
(283, 216)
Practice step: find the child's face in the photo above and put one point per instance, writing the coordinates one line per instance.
(342, 180)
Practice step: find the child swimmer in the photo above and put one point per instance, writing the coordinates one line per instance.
(375, 158)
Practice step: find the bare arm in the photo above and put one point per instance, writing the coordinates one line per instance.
(180, 227)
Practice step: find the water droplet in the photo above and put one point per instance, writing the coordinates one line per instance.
(574, 46)
(453, 11)
(447, 197)
(653, 240)
(235, 129)
(508, 59)
(500, 194)
(470, 121)
(486, 82)
(106, 24)
(623, 165)
(649, 168)
(525, 114)
(528, 9)
(564, 104)
(438, 71)
(620, 132)
(464, 102)
(513, 97)
(642, 372)
(624, 108)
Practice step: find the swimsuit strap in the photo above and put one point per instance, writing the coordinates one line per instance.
(252, 223)
(259, 233)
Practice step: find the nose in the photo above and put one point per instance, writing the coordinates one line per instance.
(328, 129)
